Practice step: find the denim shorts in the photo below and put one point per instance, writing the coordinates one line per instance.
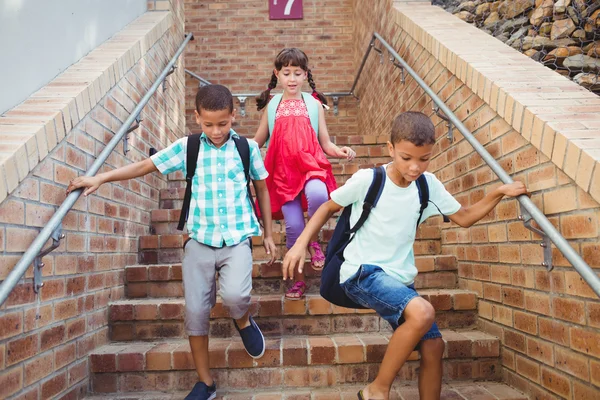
(371, 287)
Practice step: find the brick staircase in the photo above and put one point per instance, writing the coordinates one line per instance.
(314, 350)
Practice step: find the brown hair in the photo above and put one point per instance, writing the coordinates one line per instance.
(288, 57)
(414, 127)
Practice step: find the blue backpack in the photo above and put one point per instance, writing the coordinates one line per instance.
(343, 234)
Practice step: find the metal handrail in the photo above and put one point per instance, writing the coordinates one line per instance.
(528, 209)
(35, 249)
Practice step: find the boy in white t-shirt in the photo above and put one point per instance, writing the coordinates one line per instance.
(379, 268)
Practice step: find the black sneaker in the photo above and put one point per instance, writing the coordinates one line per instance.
(253, 339)
(202, 391)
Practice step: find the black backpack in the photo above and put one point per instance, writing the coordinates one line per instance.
(193, 146)
(343, 234)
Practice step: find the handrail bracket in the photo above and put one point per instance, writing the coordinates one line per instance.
(546, 244)
(56, 237)
(164, 82)
(242, 100)
(132, 128)
(449, 124)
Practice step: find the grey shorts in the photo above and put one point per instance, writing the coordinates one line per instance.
(199, 268)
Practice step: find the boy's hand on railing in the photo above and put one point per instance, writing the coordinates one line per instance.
(92, 183)
(513, 189)
(294, 258)
(270, 248)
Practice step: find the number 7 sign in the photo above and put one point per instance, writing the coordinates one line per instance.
(285, 9)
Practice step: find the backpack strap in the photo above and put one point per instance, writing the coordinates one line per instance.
(193, 146)
(372, 197)
(423, 188)
(243, 148)
(312, 106)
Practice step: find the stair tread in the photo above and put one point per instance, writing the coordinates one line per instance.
(335, 349)
(450, 391)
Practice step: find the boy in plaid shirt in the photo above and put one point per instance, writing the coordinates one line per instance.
(221, 223)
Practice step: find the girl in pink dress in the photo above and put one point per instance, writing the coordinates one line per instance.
(300, 176)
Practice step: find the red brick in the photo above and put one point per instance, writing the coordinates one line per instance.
(21, 349)
(38, 368)
(11, 324)
(556, 382)
(54, 385)
(52, 337)
(75, 328)
(584, 392)
(65, 354)
(322, 351)
(513, 297)
(527, 368)
(568, 309)
(12, 212)
(53, 289)
(540, 350)
(11, 381)
(537, 302)
(572, 363)
(582, 225)
(585, 341)
(525, 322)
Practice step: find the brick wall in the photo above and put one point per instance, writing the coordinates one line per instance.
(45, 338)
(548, 322)
(236, 45)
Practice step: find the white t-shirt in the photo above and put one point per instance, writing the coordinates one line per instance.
(386, 239)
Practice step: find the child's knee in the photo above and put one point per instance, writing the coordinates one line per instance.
(432, 349)
(419, 311)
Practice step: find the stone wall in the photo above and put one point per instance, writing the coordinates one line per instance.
(547, 322)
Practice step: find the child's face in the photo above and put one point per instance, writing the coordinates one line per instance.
(291, 78)
(410, 161)
(216, 124)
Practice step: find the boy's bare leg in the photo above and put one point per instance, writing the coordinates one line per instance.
(430, 372)
(418, 318)
(199, 346)
(244, 321)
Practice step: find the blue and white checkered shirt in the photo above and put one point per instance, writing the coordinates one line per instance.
(220, 211)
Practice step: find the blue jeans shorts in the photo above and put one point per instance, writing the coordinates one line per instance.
(371, 287)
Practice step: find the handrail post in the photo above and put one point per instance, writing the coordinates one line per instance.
(34, 249)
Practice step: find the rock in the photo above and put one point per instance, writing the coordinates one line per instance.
(594, 51)
(492, 20)
(560, 7)
(558, 55)
(542, 12)
(503, 38)
(495, 6)
(511, 25)
(512, 8)
(467, 6)
(538, 56)
(545, 29)
(482, 10)
(579, 34)
(465, 16)
(593, 23)
(517, 35)
(530, 52)
(588, 81)
(582, 63)
(590, 46)
(573, 15)
(562, 29)
(541, 42)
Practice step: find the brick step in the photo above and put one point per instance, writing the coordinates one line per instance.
(168, 249)
(152, 319)
(164, 280)
(324, 360)
(450, 391)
